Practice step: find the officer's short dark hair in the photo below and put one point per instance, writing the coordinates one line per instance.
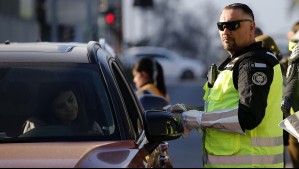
(243, 7)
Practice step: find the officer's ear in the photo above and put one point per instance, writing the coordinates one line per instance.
(252, 26)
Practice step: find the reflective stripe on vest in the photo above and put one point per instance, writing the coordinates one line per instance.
(267, 142)
(260, 147)
(246, 159)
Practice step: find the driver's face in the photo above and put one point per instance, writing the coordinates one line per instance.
(65, 106)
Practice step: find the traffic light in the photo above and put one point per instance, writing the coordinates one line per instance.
(113, 20)
(110, 14)
(110, 18)
(143, 3)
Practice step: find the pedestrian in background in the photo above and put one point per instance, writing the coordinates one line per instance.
(149, 78)
(290, 102)
(268, 42)
(258, 31)
(242, 109)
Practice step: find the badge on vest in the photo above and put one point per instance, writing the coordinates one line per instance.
(259, 78)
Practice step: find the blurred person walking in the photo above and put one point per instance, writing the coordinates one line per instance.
(242, 108)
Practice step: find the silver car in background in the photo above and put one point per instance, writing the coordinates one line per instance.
(175, 66)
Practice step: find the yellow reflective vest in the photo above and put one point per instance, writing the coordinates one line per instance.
(260, 147)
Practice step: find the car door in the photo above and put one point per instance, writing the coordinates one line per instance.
(134, 112)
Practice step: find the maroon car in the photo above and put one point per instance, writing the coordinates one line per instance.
(70, 105)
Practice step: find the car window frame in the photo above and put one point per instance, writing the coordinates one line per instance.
(117, 105)
(105, 61)
(129, 94)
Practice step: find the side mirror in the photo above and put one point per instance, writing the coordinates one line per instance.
(162, 126)
(153, 102)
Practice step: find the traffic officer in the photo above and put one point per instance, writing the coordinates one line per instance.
(242, 110)
(290, 104)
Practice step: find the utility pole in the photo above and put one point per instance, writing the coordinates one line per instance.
(54, 21)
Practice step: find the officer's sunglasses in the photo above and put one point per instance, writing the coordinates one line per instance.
(231, 26)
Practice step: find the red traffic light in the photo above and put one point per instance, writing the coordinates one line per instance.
(109, 18)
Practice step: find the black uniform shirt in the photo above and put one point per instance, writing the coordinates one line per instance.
(292, 86)
(252, 75)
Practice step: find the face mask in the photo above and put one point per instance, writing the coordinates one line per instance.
(292, 45)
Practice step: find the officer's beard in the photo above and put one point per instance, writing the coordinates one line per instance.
(230, 48)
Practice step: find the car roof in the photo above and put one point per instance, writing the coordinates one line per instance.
(44, 52)
(149, 50)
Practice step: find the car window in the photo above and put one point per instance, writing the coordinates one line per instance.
(129, 99)
(35, 101)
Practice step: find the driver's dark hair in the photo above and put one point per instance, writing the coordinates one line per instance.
(243, 7)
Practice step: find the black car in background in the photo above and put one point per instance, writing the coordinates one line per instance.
(31, 72)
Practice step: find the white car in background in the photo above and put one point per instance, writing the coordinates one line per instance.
(175, 66)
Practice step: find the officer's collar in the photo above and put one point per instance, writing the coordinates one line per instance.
(249, 48)
(230, 60)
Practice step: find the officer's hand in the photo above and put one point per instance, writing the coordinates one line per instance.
(192, 119)
(186, 131)
(178, 108)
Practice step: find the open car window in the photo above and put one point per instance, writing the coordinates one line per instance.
(54, 101)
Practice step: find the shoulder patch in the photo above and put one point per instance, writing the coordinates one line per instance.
(259, 78)
(259, 65)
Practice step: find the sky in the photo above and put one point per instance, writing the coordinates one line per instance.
(272, 16)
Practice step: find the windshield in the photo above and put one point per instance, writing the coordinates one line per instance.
(53, 102)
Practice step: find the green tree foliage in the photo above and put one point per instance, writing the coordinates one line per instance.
(294, 4)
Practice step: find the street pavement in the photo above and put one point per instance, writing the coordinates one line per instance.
(186, 152)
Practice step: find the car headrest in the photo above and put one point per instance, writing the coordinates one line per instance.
(152, 102)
